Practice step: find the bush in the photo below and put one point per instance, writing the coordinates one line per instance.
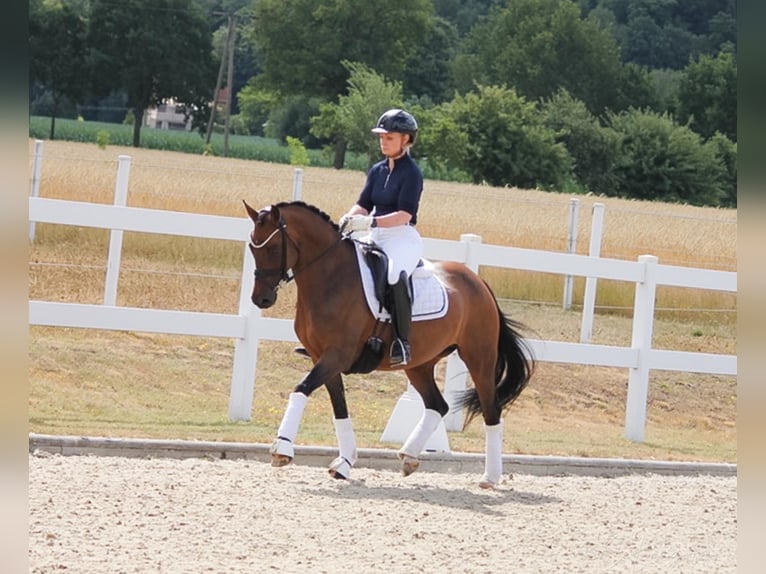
(499, 138)
(102, 139)
(659, 160)
(593, 147)
(726, 152)
(298, 154)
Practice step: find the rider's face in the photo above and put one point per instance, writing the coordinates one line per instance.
(392, 144)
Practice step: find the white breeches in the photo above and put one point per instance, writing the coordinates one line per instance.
(403, 245)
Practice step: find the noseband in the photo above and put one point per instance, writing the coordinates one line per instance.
(284, 273)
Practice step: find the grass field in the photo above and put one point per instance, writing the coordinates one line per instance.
(134, 384)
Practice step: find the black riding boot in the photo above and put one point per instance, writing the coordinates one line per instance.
(401, 315)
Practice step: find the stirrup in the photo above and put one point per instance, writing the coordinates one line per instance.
(400, 352)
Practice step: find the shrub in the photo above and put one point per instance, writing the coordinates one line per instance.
(298, 153)
(102, 139)
(593, 147)
(659, 160)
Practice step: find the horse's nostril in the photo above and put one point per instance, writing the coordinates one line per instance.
(264, 301)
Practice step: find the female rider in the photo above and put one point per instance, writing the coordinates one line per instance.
(388, 206)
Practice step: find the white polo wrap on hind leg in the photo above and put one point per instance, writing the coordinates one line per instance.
(344, 432)
(288, 428)
(426, 426)
(493, 453)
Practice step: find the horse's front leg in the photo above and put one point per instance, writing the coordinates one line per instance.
(282, 449)
(344, 431)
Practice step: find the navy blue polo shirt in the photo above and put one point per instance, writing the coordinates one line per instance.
(390, 191)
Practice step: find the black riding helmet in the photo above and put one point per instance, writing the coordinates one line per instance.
(398, 121)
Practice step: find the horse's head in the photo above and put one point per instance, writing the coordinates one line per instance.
(274, 253)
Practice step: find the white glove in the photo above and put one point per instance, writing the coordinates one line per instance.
(351, 223)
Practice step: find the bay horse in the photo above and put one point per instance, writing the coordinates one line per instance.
(294, 240)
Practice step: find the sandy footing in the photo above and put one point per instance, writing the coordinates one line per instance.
(112, 514)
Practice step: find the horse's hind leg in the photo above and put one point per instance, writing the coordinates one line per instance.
(344, 431)
(422, 379)
(483, 375)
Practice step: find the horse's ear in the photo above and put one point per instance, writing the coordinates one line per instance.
(250, 211)
(274, 214)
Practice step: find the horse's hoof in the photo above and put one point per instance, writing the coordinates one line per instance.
(488, 484)
(280, 460)
(340, 468)
(282, 452)
(409, 464)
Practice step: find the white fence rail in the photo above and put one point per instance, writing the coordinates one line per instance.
(248, 326)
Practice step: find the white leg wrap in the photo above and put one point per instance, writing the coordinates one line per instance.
(288, 428)
(344, 431)
(414, 444)
(493, 455)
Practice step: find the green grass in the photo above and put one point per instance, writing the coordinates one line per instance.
(240, 147)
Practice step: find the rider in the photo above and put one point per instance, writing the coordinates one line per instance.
(388, 205)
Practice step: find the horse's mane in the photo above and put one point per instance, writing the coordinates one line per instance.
(311, 208)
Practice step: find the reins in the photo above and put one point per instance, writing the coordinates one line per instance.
(286, 274)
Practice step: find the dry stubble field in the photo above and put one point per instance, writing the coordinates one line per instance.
(136, 384)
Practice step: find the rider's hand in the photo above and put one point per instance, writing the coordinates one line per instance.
(351, 223)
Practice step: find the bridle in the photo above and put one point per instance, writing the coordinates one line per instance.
(285, 273)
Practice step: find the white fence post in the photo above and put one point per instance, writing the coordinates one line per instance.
(248, 327)
(245, 350)
(35, 192)
(297, 184)
(574, 210)
(643, 323)
(115, 235)
(456, 375)
(589, 298)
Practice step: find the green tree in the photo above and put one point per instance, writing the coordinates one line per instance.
(153, 50)
(255, 104)
(707, 95)
(659, 160)
(726, 152)
(348, 122)
(57, 52)
(302, 43)
(539, 46)
(501, 141)
(428, 68)
(593, 147)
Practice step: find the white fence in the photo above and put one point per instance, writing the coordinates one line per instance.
(248, 326)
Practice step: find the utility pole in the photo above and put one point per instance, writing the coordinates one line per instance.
(229, 83)
(226, 49)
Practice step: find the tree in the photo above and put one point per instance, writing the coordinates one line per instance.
(539, 46)
(301, 43)
(502, 141)
(707, 96)
(427, 73)
(348, 122)
(592, 146)
(154, 50)
(726, 152)
(659, 160)
(57, 52)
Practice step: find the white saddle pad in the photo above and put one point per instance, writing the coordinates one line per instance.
(429, 296)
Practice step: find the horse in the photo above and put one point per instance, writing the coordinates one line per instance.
(297, 241)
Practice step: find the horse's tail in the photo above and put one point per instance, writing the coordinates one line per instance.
(514, 367)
